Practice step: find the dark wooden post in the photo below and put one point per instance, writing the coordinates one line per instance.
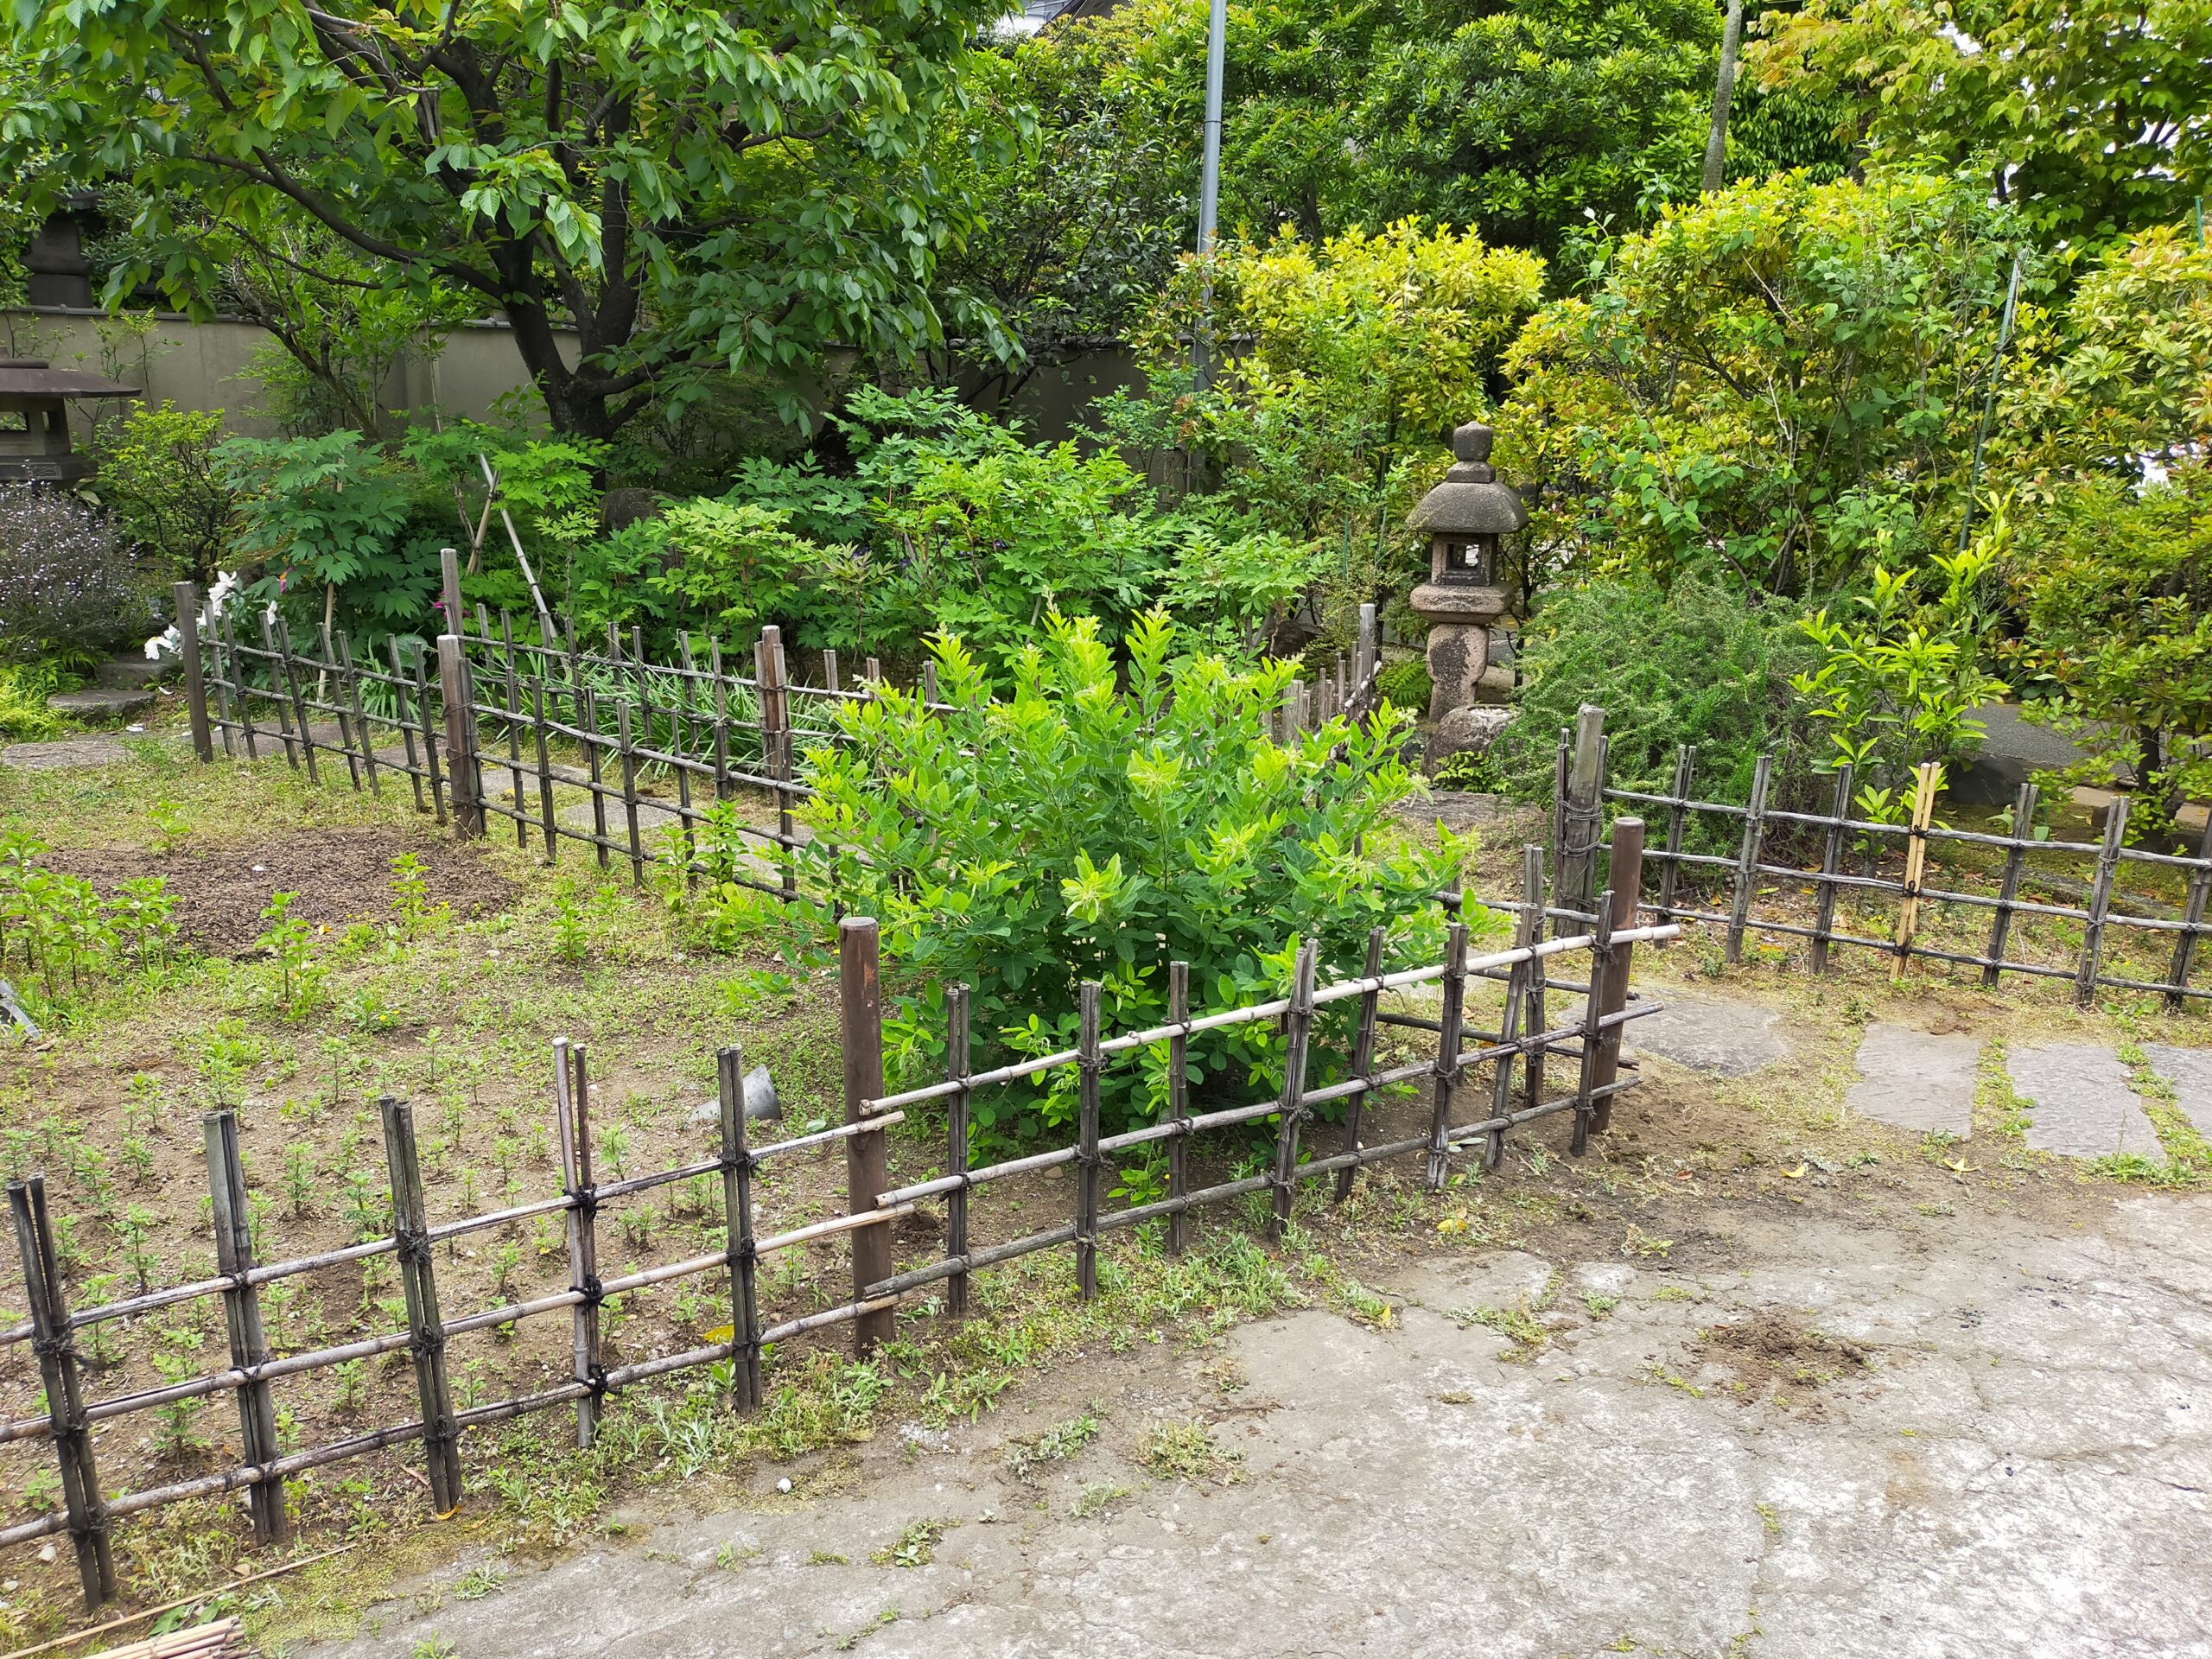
(186, 598)
(406, 720)
(1088, 1064)
(2192, 922)
(463, 779)
(449, 589)
(1580, 813)
(572, 1121)
(1601, 971)
(276, 691)
(65, 1404)
(430, 738)
(1626, 877)
(1831, 865)
(1298, 1031)
(1677, 817)
(544, 771)
(681, 723)
(291, 665)
(226, 629)
(410, 1225)
(737, 1220)
(859, 994)
(2008, 889)
(1532, 898)
(588, 706)
(2093, 931)
(1528, 928)
(1178, 1099)
(242, 1312)
(352, 679)
(721, 719)
(956, 1068)
(829, 679)
(626, 750)
(514, 735)
(776, 741)
(1363, 1056)
(1747, 859)
(1447, 1054)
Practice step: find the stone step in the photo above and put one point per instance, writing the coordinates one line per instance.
(101, 701)
(2082, 1101)
(130, 673)
(1916, 1080)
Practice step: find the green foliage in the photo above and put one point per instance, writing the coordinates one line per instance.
(689, 189)
(1780, 383)
(324, 513)
(289, 943)
(1406, 684)
(1070, 833)
(1691, 663)
(24, 688)
(159, 476)
(67, 936)
(68, 585)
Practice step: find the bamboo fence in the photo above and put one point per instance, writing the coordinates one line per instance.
(1518, 1092)
(2108, 912)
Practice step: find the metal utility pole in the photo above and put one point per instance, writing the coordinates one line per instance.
(1724, 88)
(1209, 190)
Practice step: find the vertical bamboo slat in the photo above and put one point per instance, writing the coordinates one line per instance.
(1747, 881)
(737, 1220)
(593, 766)
(291, 665)
(1677, 817)
(1363, 1056)
(2008, 890)
(721, 719)
(1601, 973)
(860, 1006)
(513, 689)
(1626, 874)
(213, 630)
(776, 744)
(276, 691)
(2092, 931)
(65, 1402)
(352, 677)
(956, 1068)
(1298, 1031)
(406, 720)
(1532, 898)
(411, 1226)
(680, 725)
(572, 1125)
(544, 771)
(349, 735)
(626, 750)
(429, 737)
(184, 598)
(242, 1314)
(1916, 861)
(1447, 1054)
(225, 623)
(1089, 1063)
(1831, 865)
(1528, 928)
(1179, 1099)
(2192, 920)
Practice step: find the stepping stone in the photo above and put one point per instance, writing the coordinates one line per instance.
(2189, 1072)
(1729, 1039)
(101, 701)
(2083, 1102)
(68, 753)
(131, 672)
(1915, 1080)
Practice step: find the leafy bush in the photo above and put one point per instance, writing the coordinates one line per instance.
(159, 475)
(65, 935)
(24, 688)
(324, 516)
(67, 584)
(1073, 833)
(1406, 684)
(1693, 663)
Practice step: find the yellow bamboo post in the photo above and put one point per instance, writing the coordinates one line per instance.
(1916, 857)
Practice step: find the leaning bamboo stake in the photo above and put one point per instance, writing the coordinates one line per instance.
(242, 1314)
(1298, 1030)
(956, 1036)
(410, 1225)
(1446, 1070)
(1915, 859)
(1088, 1064)
(737, 1218)
(1363, 1056)
(1178, 1099)
(1831, 866)
(2093, 931)
(2008, 890)
(1747, 861)
(65, 1402)
(572, 1123)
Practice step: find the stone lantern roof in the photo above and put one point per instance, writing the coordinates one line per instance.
(1470, 501)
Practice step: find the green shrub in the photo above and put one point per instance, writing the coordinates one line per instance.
(69, 587)
(158, 474)
(1697, 663)
(1406, 684)
(1071, 832)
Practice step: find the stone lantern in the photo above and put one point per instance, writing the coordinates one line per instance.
(1465, 516)
(34, 420)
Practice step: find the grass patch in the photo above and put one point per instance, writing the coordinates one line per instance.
(1095, 1498)
(915, 1547)
(1188, 1452)
(1054, 1445)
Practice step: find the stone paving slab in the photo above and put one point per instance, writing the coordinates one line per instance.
(2085, 1104)
(1726, 1039)
(2189, 1072)
(1916, 1080)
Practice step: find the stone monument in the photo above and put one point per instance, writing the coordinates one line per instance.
(1465, 516)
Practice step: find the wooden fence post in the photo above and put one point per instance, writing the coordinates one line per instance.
(65, 1404)
(352, 679)
(1088, 1064)
(276, 691)
(859, 1005)
(226, 629)
(2008, 890)
(830, 680)
(406, 720)
(2192, 923)
(572, 1123)
(211, 633)
(1916, 860)
(1179, 1097)
(242, 1313)
(1363, 1056)
(1831, 865)
(514, 735)
(1601, 973)
(1528, 928)
(462, 779)
(425, 1322)
(1677, 816)
(1747, 859)
(449, 589)
(1365, 664)
(1579, 815)
(776, 741)
(625, 751)
(1447, 1054)
(328, 664)
(185, 596)
(595, 768)
(1532, 898)
(429, 739)
(1298, 1031)
(737, 1220)
(291, 665)
(544, 771)
(1625, 875)
(956, 1150)
(2093, 931)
